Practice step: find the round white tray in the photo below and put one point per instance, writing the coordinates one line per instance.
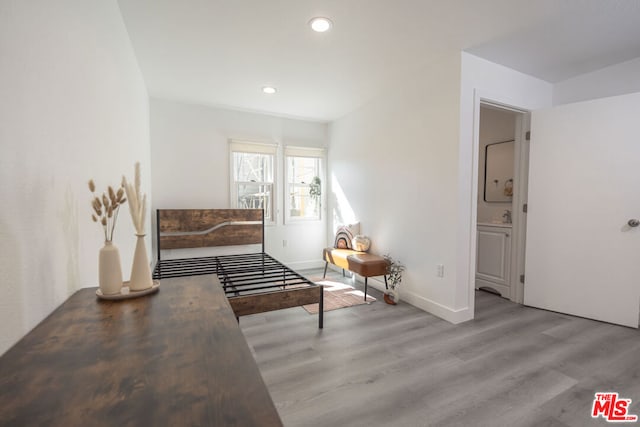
(126, 293)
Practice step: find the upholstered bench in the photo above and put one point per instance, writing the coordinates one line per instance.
(362, 263)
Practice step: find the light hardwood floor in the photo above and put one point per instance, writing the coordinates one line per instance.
(382, 365)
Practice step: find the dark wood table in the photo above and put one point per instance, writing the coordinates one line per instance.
(174, 358)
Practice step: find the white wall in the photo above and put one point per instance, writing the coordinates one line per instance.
(614, 80)
(73, 107)
(481, 79)
(190, 157)
(406, 166)
(495, 126)
(393, 167)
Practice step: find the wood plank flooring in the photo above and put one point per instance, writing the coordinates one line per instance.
(382, 365)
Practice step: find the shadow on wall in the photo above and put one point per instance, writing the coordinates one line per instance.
(68, 218)
(12, 301)
(342, 210)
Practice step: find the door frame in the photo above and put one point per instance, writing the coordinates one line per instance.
(521, 176)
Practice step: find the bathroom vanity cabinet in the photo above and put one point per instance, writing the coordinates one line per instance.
(493, 258)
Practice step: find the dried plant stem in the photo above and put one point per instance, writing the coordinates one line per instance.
(137, 200)
(106, 208)
(115, 218)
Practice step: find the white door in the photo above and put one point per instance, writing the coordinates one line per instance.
(584, 185)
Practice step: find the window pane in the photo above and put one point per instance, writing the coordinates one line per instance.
(253, 195)
(301, 170)
(301, 203)
(303, 187)
(252, 167)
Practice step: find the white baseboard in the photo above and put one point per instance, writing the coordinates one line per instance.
(432, 307)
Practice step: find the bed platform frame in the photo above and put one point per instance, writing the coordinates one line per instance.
(252, 282)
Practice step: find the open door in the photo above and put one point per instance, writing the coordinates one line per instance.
(582, 257)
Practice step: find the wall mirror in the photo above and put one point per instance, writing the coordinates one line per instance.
(498, 172)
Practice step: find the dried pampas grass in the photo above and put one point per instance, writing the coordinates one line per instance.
(137, 200)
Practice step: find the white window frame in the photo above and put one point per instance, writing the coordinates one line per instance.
(316, 153)
(237, 146)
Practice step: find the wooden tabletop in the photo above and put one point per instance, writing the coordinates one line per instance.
(174, 358)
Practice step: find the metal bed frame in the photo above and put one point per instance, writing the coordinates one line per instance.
(253, 282)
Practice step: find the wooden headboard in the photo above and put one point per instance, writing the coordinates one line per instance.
(202, 228)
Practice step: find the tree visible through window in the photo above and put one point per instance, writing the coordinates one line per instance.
(253, 180)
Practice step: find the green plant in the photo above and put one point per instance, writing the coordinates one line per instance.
(315, 188)
(394, 272)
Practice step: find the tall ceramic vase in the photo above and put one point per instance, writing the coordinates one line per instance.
(109, 270)
(140, 271)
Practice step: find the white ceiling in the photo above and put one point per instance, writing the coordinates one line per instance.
(222, 52)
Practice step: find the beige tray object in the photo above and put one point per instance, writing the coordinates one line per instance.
(125, 293)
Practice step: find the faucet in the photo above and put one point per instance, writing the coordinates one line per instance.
(507, 216)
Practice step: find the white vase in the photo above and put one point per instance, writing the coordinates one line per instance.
(109, 270)
(140, 270)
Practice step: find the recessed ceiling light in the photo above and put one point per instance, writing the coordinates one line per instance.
(320, 24)
(269, 90)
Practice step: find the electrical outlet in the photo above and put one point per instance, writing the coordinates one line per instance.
(284, 243)
(440, 270)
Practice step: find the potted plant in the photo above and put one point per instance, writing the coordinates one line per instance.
(394, 278)
(105, 212)
(140, 271)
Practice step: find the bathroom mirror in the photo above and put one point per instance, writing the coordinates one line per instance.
(498, 172)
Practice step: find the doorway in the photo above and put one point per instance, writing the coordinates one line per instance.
(503, 155)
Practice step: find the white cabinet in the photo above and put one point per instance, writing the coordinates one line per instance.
(493, 258)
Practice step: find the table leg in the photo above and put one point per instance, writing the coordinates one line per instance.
(321, 308)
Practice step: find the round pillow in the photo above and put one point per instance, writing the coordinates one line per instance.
(361, 243)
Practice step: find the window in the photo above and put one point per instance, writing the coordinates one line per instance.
(253, 177)
(303, 187)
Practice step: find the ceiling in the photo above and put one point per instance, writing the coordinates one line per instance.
(222, 52)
